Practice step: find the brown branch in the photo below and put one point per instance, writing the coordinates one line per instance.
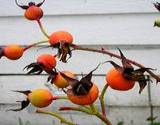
(77, 47)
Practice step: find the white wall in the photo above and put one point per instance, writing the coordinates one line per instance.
(127, 24)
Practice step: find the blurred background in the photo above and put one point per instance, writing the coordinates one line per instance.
(107, 24)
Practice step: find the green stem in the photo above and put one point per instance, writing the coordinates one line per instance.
(42, 28)
(35, 44)
(76, 109)
(60, 97)
(101, 98)
(100, 116)
(61, 118)
(93, 108)
(104, 119)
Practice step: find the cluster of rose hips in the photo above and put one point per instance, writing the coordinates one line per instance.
(80, 92)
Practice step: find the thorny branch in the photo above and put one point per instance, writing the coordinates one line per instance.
(77, 47)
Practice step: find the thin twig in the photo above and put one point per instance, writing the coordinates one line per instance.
(35, 44)
(101, 98)
(42, 28)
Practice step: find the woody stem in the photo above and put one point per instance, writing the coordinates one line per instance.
(61, 118)
(101, 98)
(42, 28)
(76, 47)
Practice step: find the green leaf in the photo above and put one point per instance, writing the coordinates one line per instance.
(28, 123)
(156, 123)
(151, 118)
(120, 123)
(20, 121)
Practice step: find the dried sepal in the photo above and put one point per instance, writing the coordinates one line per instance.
(63, 51)
(24, 103)
(52, 76)
(81, 87)
(85, 84)
(67, 77)
(115, 65)
(23, 92)
(130, 73)
(29, 4)
(21, 6)
(40, 4)
(139, 76)
(126, 64)
(1, 52)
(157, 5)
(34, 68)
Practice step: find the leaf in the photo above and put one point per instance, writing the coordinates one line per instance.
(20, 121)
(120, 123)
(28, 123)
(152, 118)
(156, 123)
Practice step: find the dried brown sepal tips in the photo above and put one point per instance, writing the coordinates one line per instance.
(131, 74)
(82, 86)
(29, 4)
(24, 103)
(157, 5)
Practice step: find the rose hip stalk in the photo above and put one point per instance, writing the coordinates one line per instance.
(33, 12)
